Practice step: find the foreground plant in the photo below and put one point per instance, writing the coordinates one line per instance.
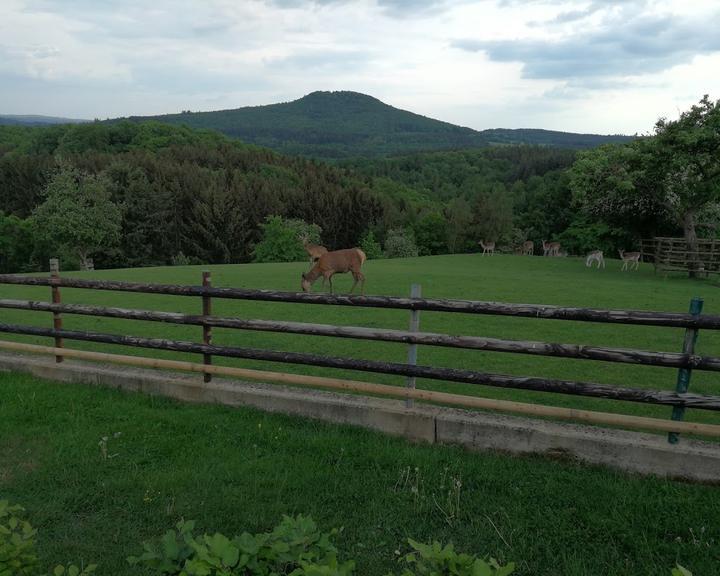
(295, 547)
(438, 560)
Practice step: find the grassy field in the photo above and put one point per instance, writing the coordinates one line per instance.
(559, 281)
(238, 469)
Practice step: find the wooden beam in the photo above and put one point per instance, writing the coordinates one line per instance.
(586, 416)
(581, 352)
(641, 317)
(589, 389)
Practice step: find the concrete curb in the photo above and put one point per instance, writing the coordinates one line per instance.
(629, 451)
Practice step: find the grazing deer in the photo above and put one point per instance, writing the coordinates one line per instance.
(595, 256)
(313, 250)
(528, 248)
(337, 262)
(628, 257)
(551, 248)
(488, 248)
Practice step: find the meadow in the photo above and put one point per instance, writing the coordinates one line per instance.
(240, 469)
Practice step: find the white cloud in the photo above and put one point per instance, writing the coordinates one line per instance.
(83, 58)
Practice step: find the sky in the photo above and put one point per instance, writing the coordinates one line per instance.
(595, 66)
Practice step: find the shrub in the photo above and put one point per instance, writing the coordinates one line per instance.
(294, 547)
(400, 243)
(431, 234)
(370, 246)
(281, 240)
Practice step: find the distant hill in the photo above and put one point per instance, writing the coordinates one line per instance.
(36, 120)
(335, 125)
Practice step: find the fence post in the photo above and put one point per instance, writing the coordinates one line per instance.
(415, 292)
(207, 330)
(55, 290)
(683, 379)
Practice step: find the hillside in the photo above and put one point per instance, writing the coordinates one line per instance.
(334, 125)
(36, 120)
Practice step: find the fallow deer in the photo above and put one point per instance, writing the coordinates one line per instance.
(628, 258)
(595, 256)
(528, 248)
(488, 248)
(336, 262)
(550, 248)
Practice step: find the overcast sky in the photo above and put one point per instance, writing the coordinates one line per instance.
(583, 66)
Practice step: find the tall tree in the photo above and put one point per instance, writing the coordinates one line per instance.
(77, 214)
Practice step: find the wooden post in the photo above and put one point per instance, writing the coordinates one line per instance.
(415, 292)
(207, 330)
(683, 379)
(55, 290)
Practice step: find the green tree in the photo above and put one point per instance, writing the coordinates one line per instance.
(78, 214)
(370, 246)
(493, 214)
(16, 244)
(281, 240)
(431, 234)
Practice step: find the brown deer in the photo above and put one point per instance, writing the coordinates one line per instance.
(528, 248)
(551, 248)
(336, 262)
(630, 257)
(313, 250)
(488, 248)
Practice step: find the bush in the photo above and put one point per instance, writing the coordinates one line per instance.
(400, 243)
(370, 246)
(294, 547)
(431, 234)
(281, 240)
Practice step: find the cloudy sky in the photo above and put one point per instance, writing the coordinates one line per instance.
(583, 66)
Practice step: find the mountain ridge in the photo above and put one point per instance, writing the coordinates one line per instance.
(344, 124)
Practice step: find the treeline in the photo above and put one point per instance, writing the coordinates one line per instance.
(180, 193)
(131, 194)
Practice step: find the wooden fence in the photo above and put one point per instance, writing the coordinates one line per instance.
(685, 361)
(673, 255)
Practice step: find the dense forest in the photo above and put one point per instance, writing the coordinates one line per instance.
(341, 125)
(140, 194)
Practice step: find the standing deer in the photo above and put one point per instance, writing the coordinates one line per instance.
(528, 248)
(488, 248)
(313, 250)
(551, 248)
(630, 257)
(595, 256)
(336, 262)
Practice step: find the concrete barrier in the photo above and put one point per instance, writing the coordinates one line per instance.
(628, 451)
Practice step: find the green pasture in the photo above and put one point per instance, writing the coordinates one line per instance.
(558, 281)
(238, 469)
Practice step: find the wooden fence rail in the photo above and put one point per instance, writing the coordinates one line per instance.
(588, 389)
(638, 317)
(581, 352)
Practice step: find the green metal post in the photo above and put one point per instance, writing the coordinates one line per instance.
(683, 379)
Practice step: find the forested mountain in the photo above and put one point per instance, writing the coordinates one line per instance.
(334, 125)
(35, 120)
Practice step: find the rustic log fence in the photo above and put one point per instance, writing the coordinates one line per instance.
(674, 255)
(679, 400)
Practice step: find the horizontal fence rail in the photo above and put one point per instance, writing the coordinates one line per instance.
(687, 400)
(639, 317)
(582, 352)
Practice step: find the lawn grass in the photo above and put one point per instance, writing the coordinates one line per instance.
(558, 281)
(240, 469)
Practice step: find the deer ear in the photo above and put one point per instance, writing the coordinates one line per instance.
(303, 276)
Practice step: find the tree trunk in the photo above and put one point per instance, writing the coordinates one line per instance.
(691, 242)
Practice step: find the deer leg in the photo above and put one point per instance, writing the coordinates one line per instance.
(329, 279)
